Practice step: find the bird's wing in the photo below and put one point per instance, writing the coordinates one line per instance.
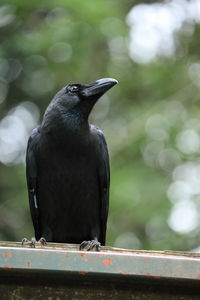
(31, 176)
(104, 179)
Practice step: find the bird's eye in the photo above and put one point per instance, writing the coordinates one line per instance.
(74, 89)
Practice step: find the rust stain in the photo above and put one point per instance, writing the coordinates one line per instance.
(7, 254)
(198, 277)
(107, 262)
(68, 270)
(156, 277)
(102, 255)
(7, 267)
(146, 260)
(82, 272)
(82, 255)
(148, 275)
(86, 259)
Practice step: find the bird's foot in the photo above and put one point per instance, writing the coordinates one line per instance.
(31, 242)
(42, 241)
(90, 245)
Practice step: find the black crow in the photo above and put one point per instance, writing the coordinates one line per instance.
(67, 167)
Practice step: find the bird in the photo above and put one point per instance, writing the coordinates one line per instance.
(67, 170)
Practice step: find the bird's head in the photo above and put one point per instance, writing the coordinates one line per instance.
(82, 97)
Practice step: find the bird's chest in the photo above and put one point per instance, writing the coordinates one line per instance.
(70, 179)
(67, 160)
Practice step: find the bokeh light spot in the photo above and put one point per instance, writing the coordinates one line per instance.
(188, 141)
(184, 217)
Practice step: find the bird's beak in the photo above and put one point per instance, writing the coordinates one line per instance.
(99, 87)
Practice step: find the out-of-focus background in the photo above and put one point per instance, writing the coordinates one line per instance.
(151, 119)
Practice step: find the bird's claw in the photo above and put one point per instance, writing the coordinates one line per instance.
(42, 241)
(31, 242)
(25, 240)
(90, 245)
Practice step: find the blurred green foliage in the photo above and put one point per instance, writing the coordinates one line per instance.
(147, 118)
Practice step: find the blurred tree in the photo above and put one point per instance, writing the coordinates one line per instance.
(151, 119)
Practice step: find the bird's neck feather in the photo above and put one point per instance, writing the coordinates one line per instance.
(65, 122)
